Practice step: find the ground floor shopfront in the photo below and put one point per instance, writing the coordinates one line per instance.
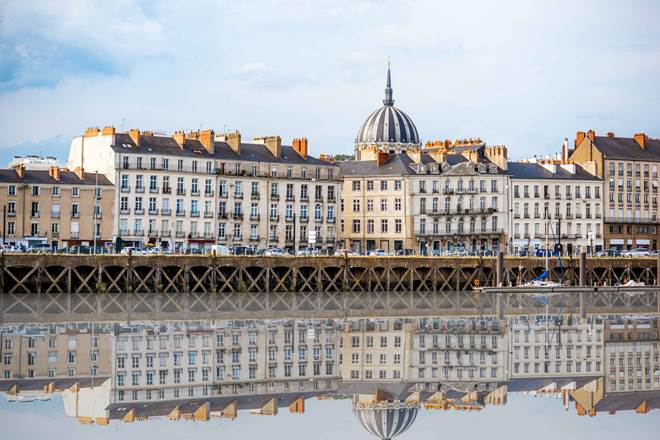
(628, 236)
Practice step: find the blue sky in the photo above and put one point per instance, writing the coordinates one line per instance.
(522, 417)
(524, 74)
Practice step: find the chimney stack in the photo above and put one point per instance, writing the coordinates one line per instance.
(134, 133)
(91, 132)
(579, 137)
(592, 135)
(273, 143)
(108, 130)
(180, 138)
(564, 151)
(207, 139)
(382, 158)
(20, 170)
(415, 154)
(55, 173)
(610, 134)
(640, 138)
(80, 172)
(300, 146)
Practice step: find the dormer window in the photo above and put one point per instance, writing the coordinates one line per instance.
(492, 169)
(482, 168)
(446, 167)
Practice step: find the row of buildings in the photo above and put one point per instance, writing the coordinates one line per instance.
(199, 369)
(195, 189)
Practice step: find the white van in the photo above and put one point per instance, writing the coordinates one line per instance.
(220, 250)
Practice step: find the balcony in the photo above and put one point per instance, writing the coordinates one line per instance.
(34, 214)
(238, 195)
(237, 216)
(222, 216)
(125, 189)
(330, 240)
(288, 218)
(166, 211)
(208, 214)
(181, 191)
(208, 236)
(139, 189)
(318, 219)
(275, 197)
(330, 219)
(208, 193)
(254, 238)
(180, 234)
(139, 211)
(237, 238)
(75, 235)
(254, 217)
(223, 194)
(166, 233)
(153, 189)
(53, 214)
(167, 190)
(13, 214)
(254, 196)
(332, 199)
(290, 198)
(222, 238)
(124, 232)
(152, 233)
(318, 199)
(304, 198)
(194, 213)
(194, 192)
(153, 211)
(304, 219)
(138, 232)
(75, 214)
(180, 212)
(275, 218)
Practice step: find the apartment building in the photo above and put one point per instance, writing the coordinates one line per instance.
(555, 203)
(629, 170)
(192, 190)
(631, 353)
(47, 353)
(55, 207)
(547, 346)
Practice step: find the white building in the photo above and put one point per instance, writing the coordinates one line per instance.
(197, 189)
(557, 204)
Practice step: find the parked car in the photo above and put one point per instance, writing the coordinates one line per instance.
(220, 250)
(40, 248)
(639, 252)
(9, 249)
(378, 253)
(276, 252)
(405, 252)
(133, 250)
(609, 253)
(80, 249)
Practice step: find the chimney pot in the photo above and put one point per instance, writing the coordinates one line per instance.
(134, 133)
(108, 130)
(91, 132)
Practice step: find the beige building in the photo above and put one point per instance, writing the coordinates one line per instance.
(55, 207)
(192, 190)
(628, 167)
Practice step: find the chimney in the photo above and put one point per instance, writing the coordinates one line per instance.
(592, 135)
(108, 130)
(55, 173)
(80, 172)
(640, 138)
(382, 158)
(20, 170)
(273, 143)
(327, 157)
(91, 132)
(579, 137)
(415, 154)
(564, 151)
(180, 138)
(207, 138)
(610, 134)
(300, 146)
(233, 139)
(134, 133)
(498, 155)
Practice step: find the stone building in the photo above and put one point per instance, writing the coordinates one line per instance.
(192, 190)
(55, 207)
(557, 203)
(629, 170)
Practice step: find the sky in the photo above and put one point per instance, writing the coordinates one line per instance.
(524, 416)
(525, 74)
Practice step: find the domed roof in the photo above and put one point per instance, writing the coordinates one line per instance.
(386, 420)
(388, 124)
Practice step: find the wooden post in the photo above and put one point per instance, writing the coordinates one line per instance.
(583, 283)
(499, 269)
(657, 271)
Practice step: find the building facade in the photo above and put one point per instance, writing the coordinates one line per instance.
(557, 205)
(629, 170)
(55, 207)
(193, 190)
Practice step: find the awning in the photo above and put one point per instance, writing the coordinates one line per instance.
(643, 241)
(616, 241)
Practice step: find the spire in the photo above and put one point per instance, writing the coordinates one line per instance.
(388, 88)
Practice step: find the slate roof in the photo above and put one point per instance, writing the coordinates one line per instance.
(522, 170)
(628, 149)
(167, 146)
(628, 401)
(42, 177)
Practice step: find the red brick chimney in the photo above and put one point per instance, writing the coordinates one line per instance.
(382, 158)
(640, 138)
(80, 172)
(579, 137)
(300, 146)
(207, 139)
(55, 173)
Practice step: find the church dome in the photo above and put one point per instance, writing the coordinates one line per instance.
(386, 420)
(388, 124)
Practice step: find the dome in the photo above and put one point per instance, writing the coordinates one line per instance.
(386, 420)
(388, 124)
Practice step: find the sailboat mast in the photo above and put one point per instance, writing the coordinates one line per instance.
(546, 239)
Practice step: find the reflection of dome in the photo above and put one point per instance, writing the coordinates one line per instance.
(388, 125)
(386, 420)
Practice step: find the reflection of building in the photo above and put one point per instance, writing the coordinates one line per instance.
(547, 347)
(56, 207)
(631, 354)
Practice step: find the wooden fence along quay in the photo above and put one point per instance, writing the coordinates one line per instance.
(437, 283)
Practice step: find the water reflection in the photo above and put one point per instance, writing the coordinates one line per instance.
(391, 368)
